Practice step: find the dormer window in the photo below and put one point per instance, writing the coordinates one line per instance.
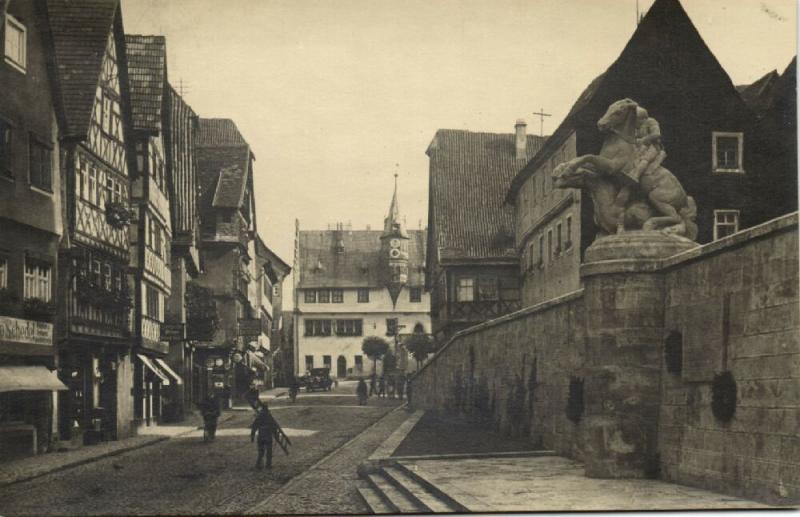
(727, 152)
(15, 43)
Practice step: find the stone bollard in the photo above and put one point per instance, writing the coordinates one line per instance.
(624, 301)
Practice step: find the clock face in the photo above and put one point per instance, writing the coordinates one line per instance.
(394, 243)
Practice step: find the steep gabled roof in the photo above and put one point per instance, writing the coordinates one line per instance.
(147, 72)
(665, 31)
(319, 264)
(230, 187)
(79, 32)
(219, 132)
(469, 176)
(758, 95)
(264, 251)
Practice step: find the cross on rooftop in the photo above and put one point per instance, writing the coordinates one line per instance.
(542, 115)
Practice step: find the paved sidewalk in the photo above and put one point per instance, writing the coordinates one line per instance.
(329, 487)
(34, 466)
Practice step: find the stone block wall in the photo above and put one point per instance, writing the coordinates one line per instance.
(514, 372)
(735, 306)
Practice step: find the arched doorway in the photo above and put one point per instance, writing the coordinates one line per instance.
(341, 367)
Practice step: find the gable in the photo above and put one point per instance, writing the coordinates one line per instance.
(106, 138)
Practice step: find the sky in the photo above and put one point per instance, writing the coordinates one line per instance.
(336, 96)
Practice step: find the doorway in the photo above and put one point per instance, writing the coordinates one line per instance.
(341, 367)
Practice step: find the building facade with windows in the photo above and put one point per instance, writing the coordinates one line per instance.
(31, 227)
(151, 227)
(224, 165)
(706, 129)
(351, 284)
(270, 273)
(472, 270)
(94, 292)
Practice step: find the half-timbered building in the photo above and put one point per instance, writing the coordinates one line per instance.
(93, 105)
(151, 226)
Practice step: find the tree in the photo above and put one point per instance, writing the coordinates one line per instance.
(389, 361)
(374, 347)
(420, 345)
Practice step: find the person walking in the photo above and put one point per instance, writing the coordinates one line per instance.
(265, 428)
(401, 387)
(251, 396)
(408, 390)
(382, 386)
(361, 392)
(209, 408)
(372, 390)
(390, 387)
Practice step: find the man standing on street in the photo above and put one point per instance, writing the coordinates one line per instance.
(372, 390)
(265, 427)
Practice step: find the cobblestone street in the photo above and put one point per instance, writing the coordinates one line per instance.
(185, 476)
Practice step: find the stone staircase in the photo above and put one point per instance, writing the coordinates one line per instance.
(396, 488)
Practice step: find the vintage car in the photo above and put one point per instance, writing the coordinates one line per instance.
(319, 379)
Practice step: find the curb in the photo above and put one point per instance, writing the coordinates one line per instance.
(257, 509)
(77, 463)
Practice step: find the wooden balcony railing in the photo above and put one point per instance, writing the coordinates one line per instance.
(477, 311)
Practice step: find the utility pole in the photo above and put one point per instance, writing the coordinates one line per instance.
(541, 115)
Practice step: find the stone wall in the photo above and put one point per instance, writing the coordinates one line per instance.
(733, 304)
(735, 307)
(514, 372)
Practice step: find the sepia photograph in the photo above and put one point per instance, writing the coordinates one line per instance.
(355, 257)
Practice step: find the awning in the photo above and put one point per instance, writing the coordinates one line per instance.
(29, 378)
(257, 362)
(153, 368)
(169, 371)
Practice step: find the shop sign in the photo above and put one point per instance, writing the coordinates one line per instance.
(15, 330)
(250, 327)
(173, 332)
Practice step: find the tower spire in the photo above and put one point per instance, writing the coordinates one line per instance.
(393, 223)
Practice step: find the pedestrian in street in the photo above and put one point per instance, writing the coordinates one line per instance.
(209, 408)
(382, 387)
(251, 396)
(401, 387)
(361, 392)
(265, 428)
(372, 390)
(390, 387)
(408, 390)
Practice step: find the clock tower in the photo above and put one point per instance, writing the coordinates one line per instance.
(394, 250)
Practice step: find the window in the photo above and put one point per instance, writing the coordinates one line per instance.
(465, 291)
(487, 288)
(276, 291)
(3, 273)
(550, 244)
(727, 152)
(5, 149)
(359, 361)
(415, 294)
(530, 256)
(109, 189)
(363, 296)
(541, 250)
(324, 296)
(337, 296)
(107, 277)
(726, 222)
(391, 326)
(310, 296)
(568, 243)
(95, 272)
(40, 175)
(152, 307)
(318, 327)
(92, 190)
(309, 362)
(37, 281)
(559, 243)
(326, 361)
(349, 327)
(16, 51)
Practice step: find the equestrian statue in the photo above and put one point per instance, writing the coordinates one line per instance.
(629, 187)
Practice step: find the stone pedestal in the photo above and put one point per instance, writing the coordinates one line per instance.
(624, 297)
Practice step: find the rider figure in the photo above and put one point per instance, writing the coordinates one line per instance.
(647, 156)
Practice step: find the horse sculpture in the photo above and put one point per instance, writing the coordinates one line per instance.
(653, 201)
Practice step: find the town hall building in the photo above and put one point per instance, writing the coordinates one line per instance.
(351, 284)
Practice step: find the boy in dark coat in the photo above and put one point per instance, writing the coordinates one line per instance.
(265, 427)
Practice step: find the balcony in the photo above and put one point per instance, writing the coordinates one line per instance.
(479, 311)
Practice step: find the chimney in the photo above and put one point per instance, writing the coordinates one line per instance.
(522, 140)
